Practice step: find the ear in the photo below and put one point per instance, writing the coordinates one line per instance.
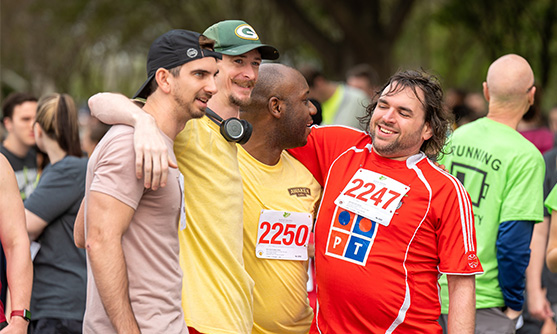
(163, 78)
(274, 106)
(427, 131)
(38, 130)
(532, 95)
(486, 91)
(8, 124)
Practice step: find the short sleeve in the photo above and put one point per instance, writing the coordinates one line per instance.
(456, 233)
(114, 170)
(324, 145)
(57, 192)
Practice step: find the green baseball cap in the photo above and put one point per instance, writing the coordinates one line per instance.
(236, 37)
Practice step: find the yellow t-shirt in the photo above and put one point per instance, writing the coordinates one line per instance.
(280, 297)
(216, 289)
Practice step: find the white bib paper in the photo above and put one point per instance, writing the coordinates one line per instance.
(372, 195)
(283, 235)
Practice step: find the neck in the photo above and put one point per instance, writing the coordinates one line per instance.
(169, 120)
(507, 115)
(262, 147)
(221, 105)
(15, 146)
(53, 150)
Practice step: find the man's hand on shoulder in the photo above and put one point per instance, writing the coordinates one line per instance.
(151, 154)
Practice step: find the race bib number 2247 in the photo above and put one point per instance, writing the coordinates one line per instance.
(372, 195)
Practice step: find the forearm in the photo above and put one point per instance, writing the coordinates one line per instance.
(537, 256)
(462, 304)
(112, 108)
(538, 306)
(19, 272)
(109, 270)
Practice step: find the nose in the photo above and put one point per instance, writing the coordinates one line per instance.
(388, 116)
(312, 108)
(250, 72)
(211, 86)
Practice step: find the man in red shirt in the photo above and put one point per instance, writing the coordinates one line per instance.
(390, 221)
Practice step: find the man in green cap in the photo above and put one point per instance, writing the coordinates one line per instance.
(217, 290)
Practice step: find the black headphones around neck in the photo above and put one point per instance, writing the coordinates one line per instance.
(233, 129)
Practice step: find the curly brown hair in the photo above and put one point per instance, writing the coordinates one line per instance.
(436, 114)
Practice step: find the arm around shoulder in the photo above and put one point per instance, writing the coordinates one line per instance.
(151, 153)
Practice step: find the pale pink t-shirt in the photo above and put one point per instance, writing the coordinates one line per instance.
(150, 244)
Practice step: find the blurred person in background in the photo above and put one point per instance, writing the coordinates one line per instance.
(93, 132)
(341, 104)
(534, 128)
(18, 115)
(59, 284)
(363, 77)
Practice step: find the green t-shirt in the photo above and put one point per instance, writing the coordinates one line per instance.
(503, 173)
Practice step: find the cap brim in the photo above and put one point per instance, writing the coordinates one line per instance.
(267, 51)
(145, 89)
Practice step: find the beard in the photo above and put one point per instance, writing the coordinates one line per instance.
(187, 108)
(398, 146)
(239, 102)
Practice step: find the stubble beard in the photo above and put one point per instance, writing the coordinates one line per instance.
(238, 102)
(396, 147)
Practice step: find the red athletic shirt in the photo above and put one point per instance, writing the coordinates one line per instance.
(373, 278)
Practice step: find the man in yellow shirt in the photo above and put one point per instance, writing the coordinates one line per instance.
(280, 196)
(217, 290)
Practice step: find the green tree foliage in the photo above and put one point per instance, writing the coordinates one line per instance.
(85, 46)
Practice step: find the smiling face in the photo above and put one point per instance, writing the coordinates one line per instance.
(195, 85)
(237, 76)
(397, 127)
(298, 110)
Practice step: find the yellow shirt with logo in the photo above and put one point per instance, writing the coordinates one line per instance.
(280, 298)
(216, 289)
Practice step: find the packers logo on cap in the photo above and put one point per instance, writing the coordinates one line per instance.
(245, 31)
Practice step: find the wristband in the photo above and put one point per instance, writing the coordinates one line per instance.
(25, 314)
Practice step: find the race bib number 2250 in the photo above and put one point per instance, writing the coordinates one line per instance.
(283, 235)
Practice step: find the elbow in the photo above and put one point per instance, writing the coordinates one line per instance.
(96, 242)
(551, 260)
(93, 103)
(79, 242)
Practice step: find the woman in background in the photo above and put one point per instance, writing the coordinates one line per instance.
(60, 274)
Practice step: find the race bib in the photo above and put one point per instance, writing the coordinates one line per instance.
(283, 235)
(372, 195)
(183, 204)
